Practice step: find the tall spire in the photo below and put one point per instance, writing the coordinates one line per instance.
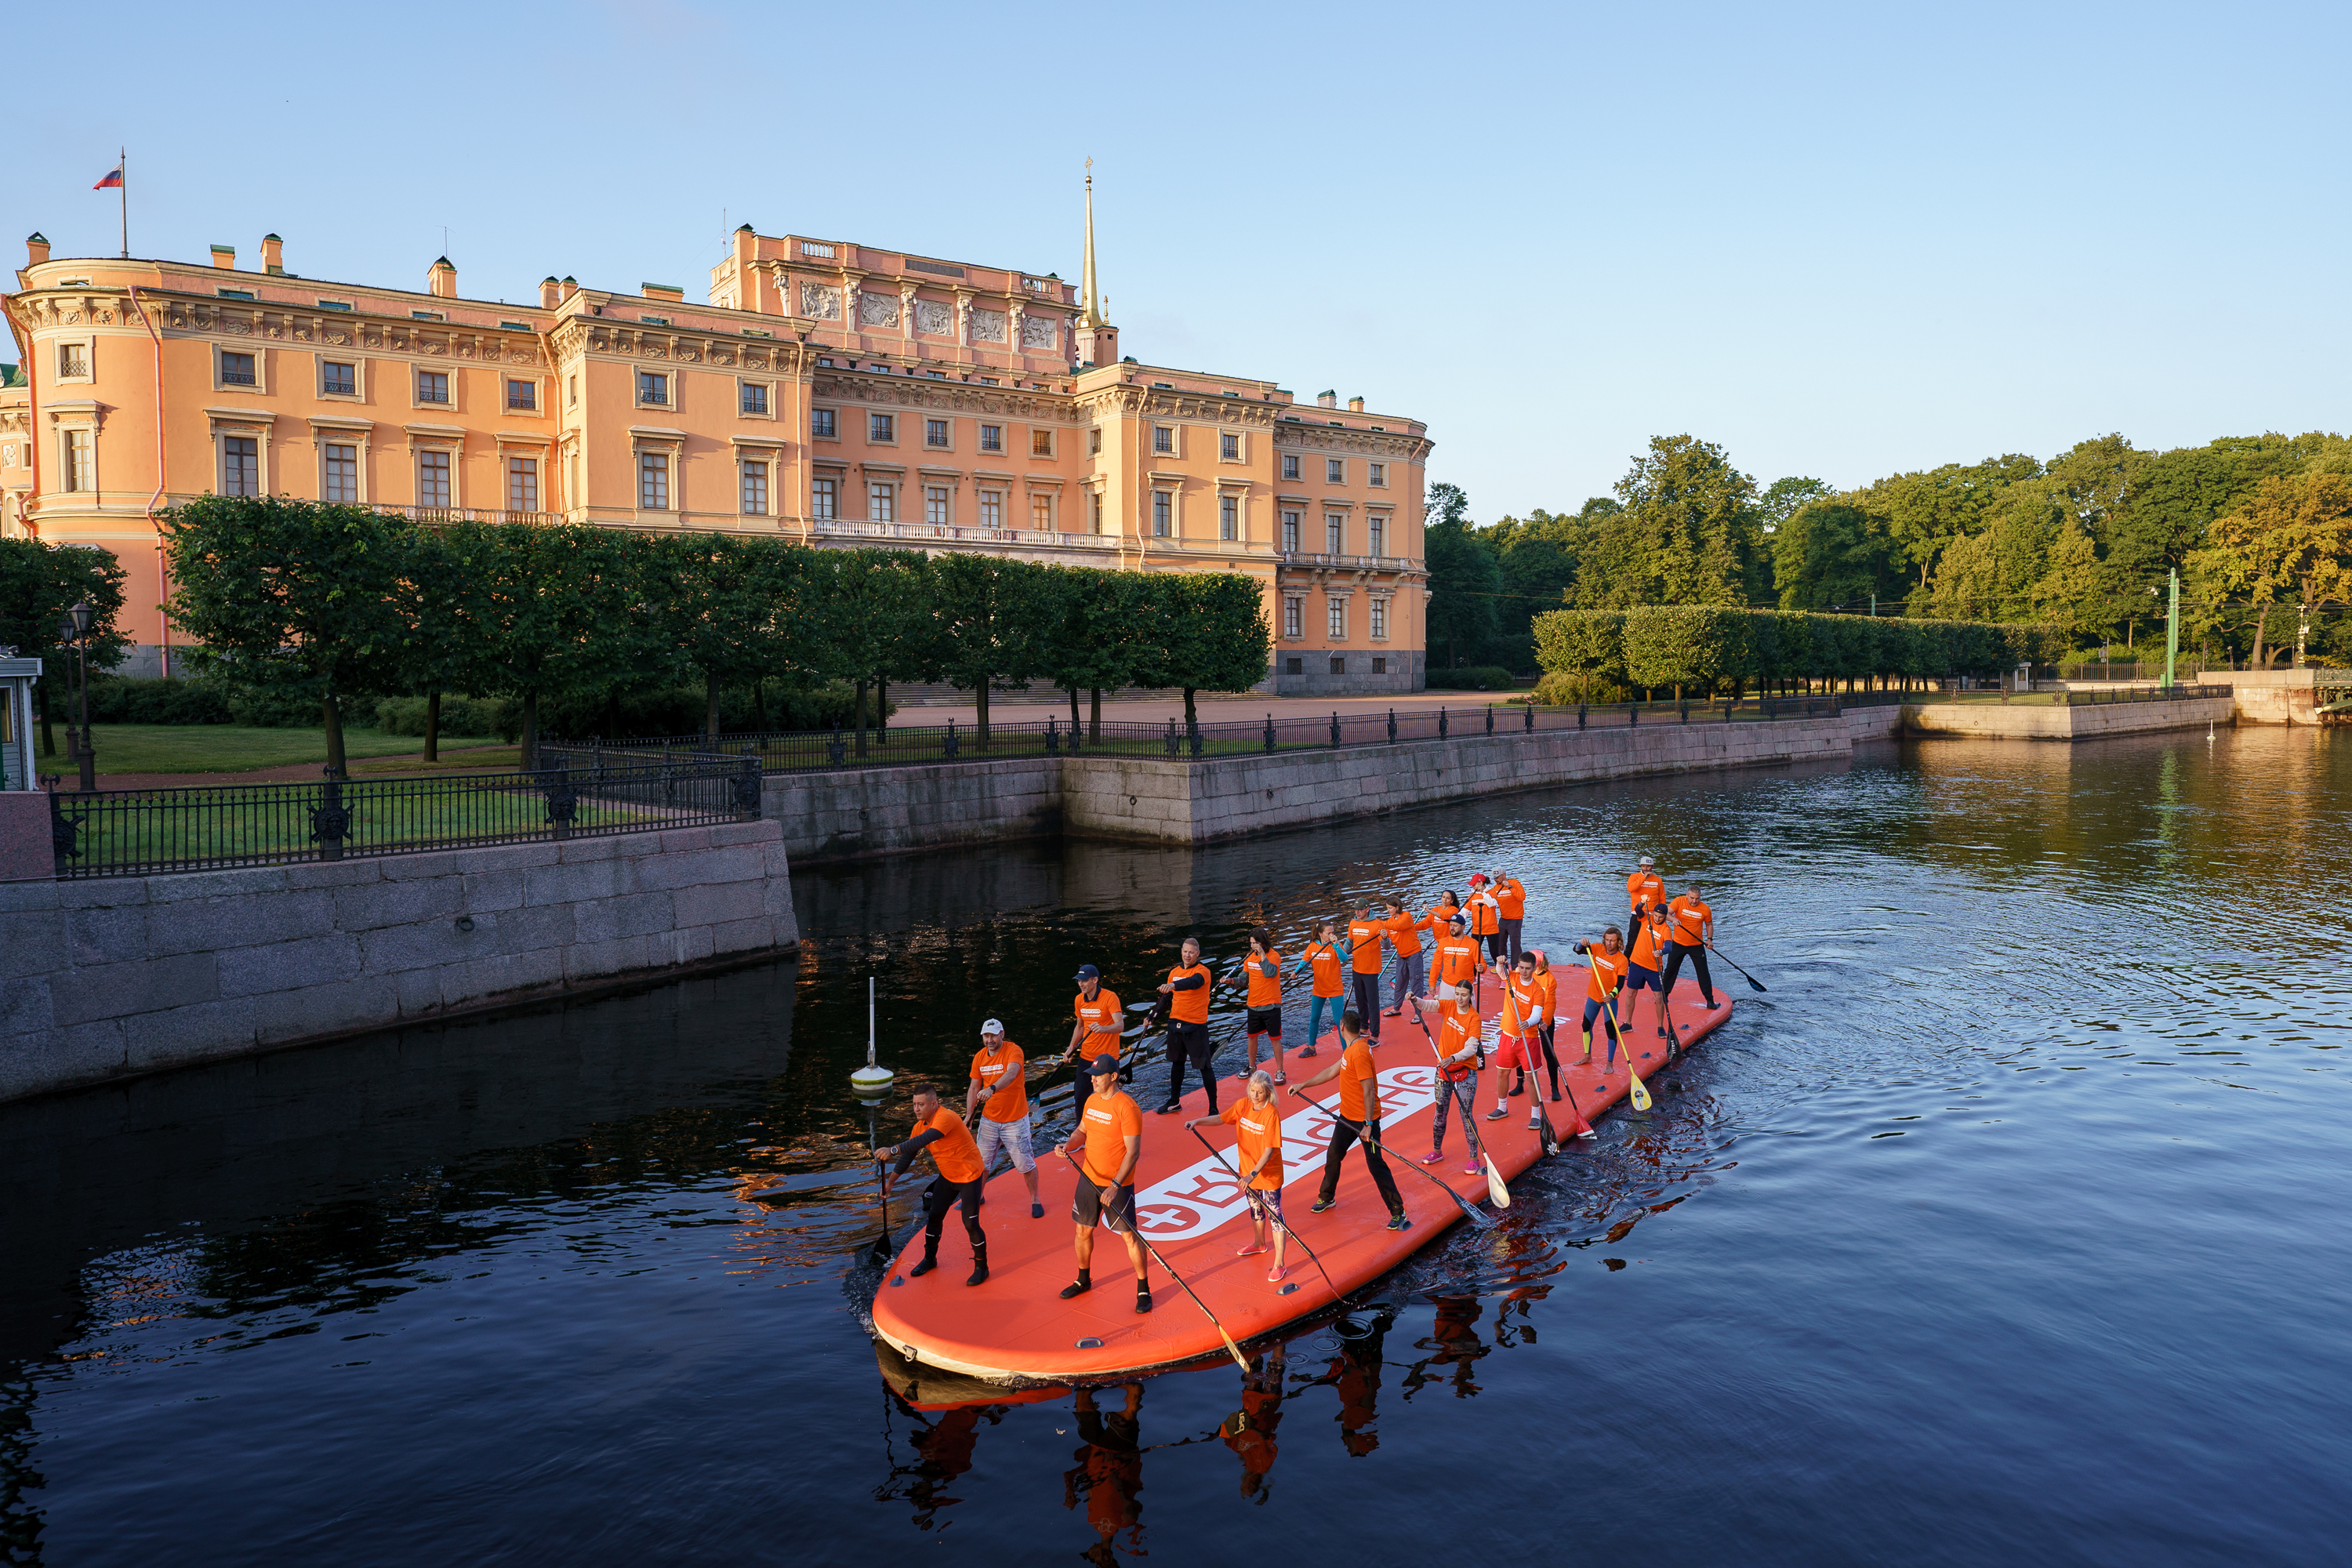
(1093, 316)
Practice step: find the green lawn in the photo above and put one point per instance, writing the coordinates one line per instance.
(234, 748)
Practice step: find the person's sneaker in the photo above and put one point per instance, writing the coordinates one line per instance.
(1713, 1006)
(1472, 1169)
(925, 1266)
(1143, 1298)
(1434, 1157)
(1498, 1114)
(1306, 1050)
(1393, 1013)
(1282, 1077)
(1319, 1205)
(1398, 1222)
(1036, 1211)
(1171, 1108)
(1077, 1288)
(1555, 1097)
(1662, 1031)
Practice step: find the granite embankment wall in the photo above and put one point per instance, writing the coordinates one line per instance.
(2047, 721)
(113, 978)
(864, 813)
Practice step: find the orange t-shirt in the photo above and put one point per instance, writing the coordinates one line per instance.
(1612, 969)
(1323, 957)
(1457, 1032)
(1259, 1128)
(1643, 889)
(1110, 1120)
(1103, 1019)
(956, 1155)
(1190, 1006)
(1364, 936)
(1645, 945)
(1511, 897)
(1358, 1079)
(1547, 981)
(1457, 960)
(1522, 1004)
(1483, 914)
(1436, 921)
(1000, 1074)
(1265, 989)
(1690, 918)
(1401, 928)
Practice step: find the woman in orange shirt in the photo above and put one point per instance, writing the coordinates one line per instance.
(1511, 911)
(1322, 959)
(1549, 984)
(1412, 963)
(1605, 960)
(1256, 1121)
(1263, 969)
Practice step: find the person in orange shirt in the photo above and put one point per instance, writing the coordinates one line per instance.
(1358, 1117)
(1364, 937)
(1456, 966)
(998, 1076)
(1649, 956)
(1485, 917)
(1521, 1018)
(1101, 1018)
(941, 1131)
(1256, 1121)
(1457, 1043)
(1263, 970)
(1693, 924)
(1187, 990)
(1643, 889)
(1511, 913)
(1110, 1135)
(1549, 984)
(1413, 962)
(1321, 958)
(1605, 965)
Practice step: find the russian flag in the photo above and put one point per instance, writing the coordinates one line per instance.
(113, 178)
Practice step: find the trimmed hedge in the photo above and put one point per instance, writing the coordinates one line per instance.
(1702, 646)
(1472, 677)
(129, 700)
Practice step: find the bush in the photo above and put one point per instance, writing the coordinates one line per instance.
(275, 708)
(459, 715)
(118, 699)
(1566, 688)
(678, 710)
(1474, 677)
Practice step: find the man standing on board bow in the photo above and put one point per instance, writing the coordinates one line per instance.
(1187, 990)
(998, 1079)
(1110, 1135)
(1694, 929)
(941, 1131)
(1644, 890)
(1100, 1019)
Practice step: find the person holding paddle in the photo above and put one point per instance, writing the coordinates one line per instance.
(1412, 963)
(1457, 1045)
(1256, 1121)
(1644, 890)
(1522, 1017)
(1606, 958)
(1455, 968)
(1694, 931)
(1263, 969)
(1187, 990)
(1547, 985)
(1110, 1135)
(1101, 1017)
(1364, 937)
(941, 1131)
(1321, 958)
(1511, 909)
(998, 1079)
(1649, 955)
(1485, 917)
(1359, 1118)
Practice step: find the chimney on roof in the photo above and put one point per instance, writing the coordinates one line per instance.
(441, 279)
(570, 287)
(37, 248)
(1327, 399)
(273, 254)
(1355, 405)
(224, 256)
(550, 292)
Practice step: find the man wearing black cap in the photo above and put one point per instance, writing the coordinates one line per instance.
(1099, 1023)
(1110, 1135)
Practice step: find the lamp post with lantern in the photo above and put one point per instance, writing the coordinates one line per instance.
(74, 632)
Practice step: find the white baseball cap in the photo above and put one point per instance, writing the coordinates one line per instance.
(1647, 861)
(991, 1028)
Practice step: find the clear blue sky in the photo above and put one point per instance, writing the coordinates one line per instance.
(1840, 240)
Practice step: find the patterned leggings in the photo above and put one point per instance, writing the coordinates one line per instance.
(1465, 1089)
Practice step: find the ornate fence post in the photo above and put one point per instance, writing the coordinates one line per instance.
(562, 803)
(836, 747)
(747, 787)
(1391, 726)
(951, 740)
(65, 832)
(331, 824)
(1532, 718)
(1682, 706)
(1632, 715)
(1170, 742)
(1490, 718)
(1053, 736)
(1335, 727)
(1441, 723)
(1579, 715)
(1269, 734)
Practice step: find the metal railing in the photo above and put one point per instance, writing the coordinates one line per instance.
(448, 514)
(145, 832)
(2046, 693)
(819, 750)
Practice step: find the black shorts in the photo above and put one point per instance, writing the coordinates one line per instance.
(1090, 1207)
(1192, 1039)
(1266, 1021)
(1640, 979)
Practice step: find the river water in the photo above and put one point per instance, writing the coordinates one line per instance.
(2009, 1225)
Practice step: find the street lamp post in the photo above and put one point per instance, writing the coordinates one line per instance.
(75, 631)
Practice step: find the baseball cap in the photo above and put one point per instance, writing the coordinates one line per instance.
(1477, 879)
(1103, 1066)
(1647, 861)
(991, 1028)
(1457, 922)
(1087, 972)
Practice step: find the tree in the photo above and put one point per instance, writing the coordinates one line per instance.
(1832, 553)
(1582, 643)
(1218, 639)
(293, 595)
(2293, 542)
(875, 607)
(1085, 645)
(1923, 512)
(1696, 516)
(987, 626)
(39, 584)
(724, 606)
(1464, 577)
(564, 609)
(1783, 498)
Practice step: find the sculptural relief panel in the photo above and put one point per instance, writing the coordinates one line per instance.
(988, 326)
(1040, 333)
(877, 309)
(820, 303)
(934, 319)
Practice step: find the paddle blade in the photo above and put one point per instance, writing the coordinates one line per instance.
(1500, 1194)
(1637, 1092)
(1757, 983)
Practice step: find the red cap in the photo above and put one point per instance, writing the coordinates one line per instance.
(1477, 878)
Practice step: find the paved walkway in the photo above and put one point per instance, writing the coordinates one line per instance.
(1213, 709)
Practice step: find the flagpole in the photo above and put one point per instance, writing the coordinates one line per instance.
(125, 166)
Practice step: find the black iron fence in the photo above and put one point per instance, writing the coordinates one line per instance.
(141, 832)
(819, 750)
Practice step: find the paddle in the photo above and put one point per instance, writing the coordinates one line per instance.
(1469, 1210)
(1636, 1090)
(1232, 1349)
(1498, 1193)
(1271, 1213)
(1743, 973)
(1530, 1043)
(1583, 1127)
(880, 1253)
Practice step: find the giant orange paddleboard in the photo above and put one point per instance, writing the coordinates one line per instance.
(1015, 1327)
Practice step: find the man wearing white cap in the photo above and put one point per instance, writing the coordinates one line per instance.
(1643, 889)
(998, 1077)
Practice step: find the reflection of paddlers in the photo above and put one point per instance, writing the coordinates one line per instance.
(1109, 1468)
(1187, 990)
(1693, 924)
(943, 1131)
(1110, 1134)
(1359, 1118)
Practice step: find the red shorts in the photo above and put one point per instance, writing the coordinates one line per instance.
(1518, 1051)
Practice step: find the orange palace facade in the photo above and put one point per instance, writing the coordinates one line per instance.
(829, 394)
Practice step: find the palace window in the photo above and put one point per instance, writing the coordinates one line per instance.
(1289, 467)
(1228, 517)
(1041, 514)
(77, 474)
(432, 386)
(73, 360)
(1094, 442)
(1294, 621)
(575, 392)
(882, 502)
(340, 474)
(653, 389)
(1338, 666)
(824, 497)
(1335, 471)
(1294, 667)
(1041, 443)
(821, 424)
(1380, 620)
(1380, 666)
(754, 398)
(236, 370)
(991, 438)
(1163, 439)
(1229, 447)
(339, 380)
(991, 508)
(1338, 621)
(433, 479)
(1096, 501)
(1376, 475)
(935, 505)
(883, 427)
(1376, 535)
(1335, 533)
(755, 488)
(653, 481)
(934, 432)
(522, 394)
(522, 484)
(1163, 507)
